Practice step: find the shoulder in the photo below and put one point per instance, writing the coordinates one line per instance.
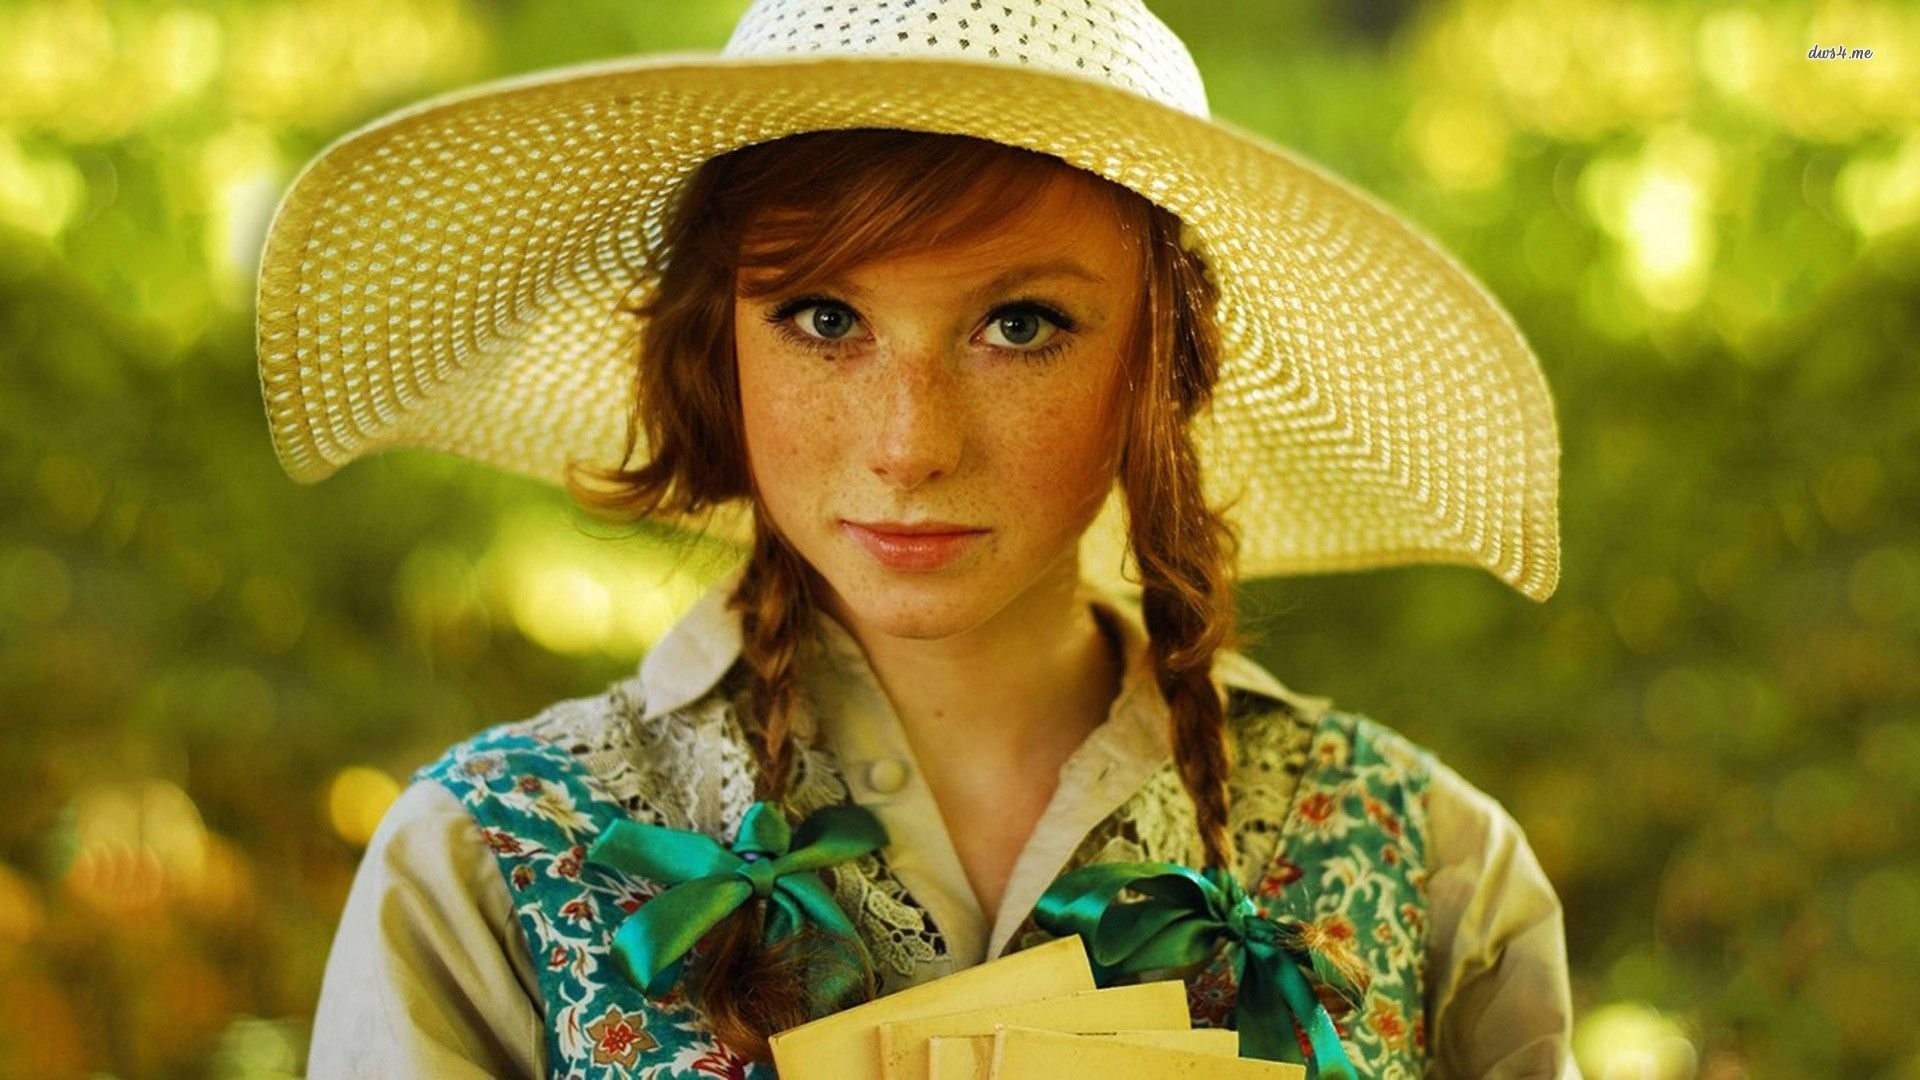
(427, 838)
(1497, 953)
(1269, 721)
(684, 767)
(1469, 832)
(570, 726)
(1477, 841)
(427, 923)
(1254, 693)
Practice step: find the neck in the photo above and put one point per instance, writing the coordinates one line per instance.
(992, 714)
(1026, 686)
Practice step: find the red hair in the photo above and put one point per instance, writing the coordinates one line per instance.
(780, 215)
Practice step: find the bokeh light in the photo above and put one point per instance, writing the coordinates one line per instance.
(215, 681)
(1629, 1041)
(357, 799)
(22, 913)
(573, 593)
(134, 847)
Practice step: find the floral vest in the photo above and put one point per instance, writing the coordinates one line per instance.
(1349, 854)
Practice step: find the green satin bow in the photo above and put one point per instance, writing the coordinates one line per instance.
(767, 860)
(1185, 914)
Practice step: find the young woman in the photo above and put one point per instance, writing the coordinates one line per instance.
(915, 292)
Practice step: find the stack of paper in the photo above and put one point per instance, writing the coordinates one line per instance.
(1032, 1014)
(972, 1057)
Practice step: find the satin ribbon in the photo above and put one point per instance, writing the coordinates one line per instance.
(708, 882)
(1185, 914)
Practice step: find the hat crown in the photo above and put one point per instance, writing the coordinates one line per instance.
(1116, 42)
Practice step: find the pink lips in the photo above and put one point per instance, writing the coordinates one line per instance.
(918, 548)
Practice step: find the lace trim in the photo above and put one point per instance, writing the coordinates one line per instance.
(1271, 744)
(645, 767)
(1271, 747)
(693, 769)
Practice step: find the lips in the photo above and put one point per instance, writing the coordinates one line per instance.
(919, 547)
(923, 528)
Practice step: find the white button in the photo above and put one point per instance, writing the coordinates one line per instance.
(888, 776)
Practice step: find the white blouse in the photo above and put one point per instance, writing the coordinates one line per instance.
(430, 974)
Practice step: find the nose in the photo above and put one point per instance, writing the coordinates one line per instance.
(918, 434)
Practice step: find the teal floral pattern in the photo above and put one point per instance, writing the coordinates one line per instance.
(1347, 854)
(1353, 863)
(538, 809)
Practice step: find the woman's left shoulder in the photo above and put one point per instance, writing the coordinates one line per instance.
(1270, 719)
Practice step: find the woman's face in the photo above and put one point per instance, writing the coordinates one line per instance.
(974, 390)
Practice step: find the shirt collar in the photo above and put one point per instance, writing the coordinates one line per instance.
(702, 646)
(699, 648)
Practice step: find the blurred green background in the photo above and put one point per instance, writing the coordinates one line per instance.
(213, 680)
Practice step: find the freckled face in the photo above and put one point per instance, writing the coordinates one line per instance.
(975, 387)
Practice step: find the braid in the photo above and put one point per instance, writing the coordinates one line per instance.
(748, 989)
(776, 611)
(1184, 549)
(1185, 606)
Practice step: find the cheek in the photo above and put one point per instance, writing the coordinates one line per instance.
(794, 433)
(770, 409)
(1066, 452)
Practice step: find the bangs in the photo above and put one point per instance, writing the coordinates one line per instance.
(810, 207)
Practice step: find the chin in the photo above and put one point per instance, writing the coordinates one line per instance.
(920, 607)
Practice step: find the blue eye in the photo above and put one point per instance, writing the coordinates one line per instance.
(1022, 327)
(829, 322)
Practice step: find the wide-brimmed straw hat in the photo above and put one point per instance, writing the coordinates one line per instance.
(452, 275)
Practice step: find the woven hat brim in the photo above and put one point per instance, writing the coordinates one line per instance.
(449, 277)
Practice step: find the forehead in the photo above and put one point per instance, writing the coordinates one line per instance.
(995, 208)
(1068, 227)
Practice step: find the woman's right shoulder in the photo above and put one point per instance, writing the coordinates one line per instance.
(563, 725)
(610, 746)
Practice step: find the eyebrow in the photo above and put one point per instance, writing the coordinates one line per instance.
(1057, 268)
(1018, 275)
